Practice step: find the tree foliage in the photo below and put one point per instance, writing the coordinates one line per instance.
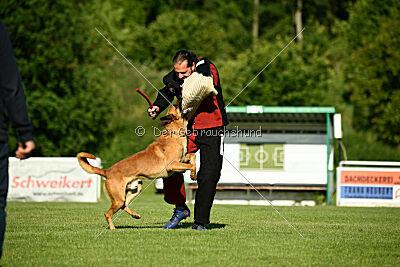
(298, 76)
(175, 30)
(373, 71)
(68, 98)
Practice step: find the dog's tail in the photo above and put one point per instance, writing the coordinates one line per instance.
(82, 159)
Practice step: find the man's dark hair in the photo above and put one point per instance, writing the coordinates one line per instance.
(183, 55)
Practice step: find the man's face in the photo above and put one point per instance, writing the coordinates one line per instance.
(182, 69)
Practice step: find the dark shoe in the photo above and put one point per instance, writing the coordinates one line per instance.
(178, 216)
(198, 227)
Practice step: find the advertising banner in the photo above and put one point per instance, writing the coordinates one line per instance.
(368, 186)
(52, 179)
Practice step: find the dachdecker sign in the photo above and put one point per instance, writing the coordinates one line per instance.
(52, 179)
(368, 186)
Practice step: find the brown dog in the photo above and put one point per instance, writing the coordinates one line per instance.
(160, 159)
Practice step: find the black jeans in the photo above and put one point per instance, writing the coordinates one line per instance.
(208, 176)
(3, 190)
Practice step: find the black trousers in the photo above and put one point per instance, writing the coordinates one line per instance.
(211, 150)
(3, 190)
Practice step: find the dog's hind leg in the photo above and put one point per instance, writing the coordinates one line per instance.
(129, 198)
(132, 213)
(133, 189)
(131, 194)
(117, 196)
(110, 213)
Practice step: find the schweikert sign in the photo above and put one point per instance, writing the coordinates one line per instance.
(52, 179)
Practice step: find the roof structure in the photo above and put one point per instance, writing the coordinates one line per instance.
(278, 115)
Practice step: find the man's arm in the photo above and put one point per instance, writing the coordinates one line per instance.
(164, 98)
(12, 93)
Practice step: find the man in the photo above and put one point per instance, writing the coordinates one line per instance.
(12, 101)
(206, 133)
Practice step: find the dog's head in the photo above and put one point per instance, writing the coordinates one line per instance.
(174, 114)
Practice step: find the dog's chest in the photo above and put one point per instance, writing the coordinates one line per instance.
(184, 148)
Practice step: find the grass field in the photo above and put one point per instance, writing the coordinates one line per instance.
(63, 234)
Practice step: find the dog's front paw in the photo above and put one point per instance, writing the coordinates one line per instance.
(193, 175)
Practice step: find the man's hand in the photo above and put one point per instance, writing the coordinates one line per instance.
(153, 112)
(24, 149)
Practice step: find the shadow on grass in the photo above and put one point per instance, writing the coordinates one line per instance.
(184, 225)
(137, 227)
(208, 226)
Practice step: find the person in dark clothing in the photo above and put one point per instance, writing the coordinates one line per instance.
(12, 107)
(205, 130)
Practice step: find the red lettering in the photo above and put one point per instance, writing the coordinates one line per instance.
(42, 183)
(66, 184)
(15, 182)
(53, 184)
(89, 182)
(22, 183)
(370, 177)
(30, 181)
(75, 184)
(63, 182)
